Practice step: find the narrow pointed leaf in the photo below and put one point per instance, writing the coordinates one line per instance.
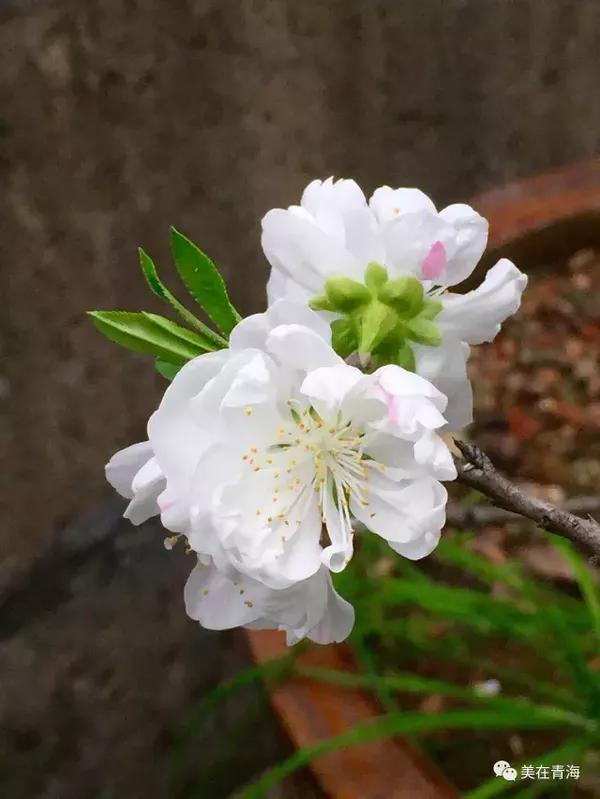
(147, 332)
(213, 340)
(203, 281)
(166, 369)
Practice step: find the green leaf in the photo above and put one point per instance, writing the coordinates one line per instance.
(166, 369)
(148, 332)
(203, 281)
(213, 340)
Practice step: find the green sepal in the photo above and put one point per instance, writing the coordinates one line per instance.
(404, 295)
(320, 303)
(344, 339)
(346, 295)
(204, 282)
(423, 332)
(405, 357)
(376, 323)
(375, 276)
(150, 333)
(431, 309)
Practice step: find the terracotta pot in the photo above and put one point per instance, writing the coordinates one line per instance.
(535, 221)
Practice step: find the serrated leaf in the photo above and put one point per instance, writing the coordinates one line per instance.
(166, 369)
(204, 282)
(212, 339)
(147, 332)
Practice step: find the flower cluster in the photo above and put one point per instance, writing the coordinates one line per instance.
(269, 456)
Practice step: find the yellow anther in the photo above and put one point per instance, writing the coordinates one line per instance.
(248, 411)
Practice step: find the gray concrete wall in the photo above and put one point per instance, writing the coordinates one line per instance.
(120, 117)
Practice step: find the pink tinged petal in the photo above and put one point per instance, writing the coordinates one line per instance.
(471, 231)
(434, 262)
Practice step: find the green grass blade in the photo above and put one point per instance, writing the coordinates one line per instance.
(585, 579)
(403, 724)
(496, 786)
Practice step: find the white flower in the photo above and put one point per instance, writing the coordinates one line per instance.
(310, 608)
(334, 232)
(136, 475)
(272, 449)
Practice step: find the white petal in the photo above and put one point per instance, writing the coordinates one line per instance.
(176, 433)
(446, 367)
(218, 603)
(476, 317)
(389, 203)
(337, 620)
(252, 331)
(125, 464)
(299, 248)
(471, 240)
(281, 286)
(409, 238)
(339, 552)
(344, 195)
(298, 347)
(415, 550)
(431, 452)
(327, 387)
(403, 512)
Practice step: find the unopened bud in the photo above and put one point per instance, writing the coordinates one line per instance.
(404, 295)
(345, 294)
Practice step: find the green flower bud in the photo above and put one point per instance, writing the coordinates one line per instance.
(375, 276)
(320, 303)
(345, 294)
(431, 309)
(423, 332)
(404, 295)
(344, 339)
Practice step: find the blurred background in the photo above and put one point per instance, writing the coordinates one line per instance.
(117, 119)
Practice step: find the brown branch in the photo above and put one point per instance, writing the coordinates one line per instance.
(477, 471)
(458, 515)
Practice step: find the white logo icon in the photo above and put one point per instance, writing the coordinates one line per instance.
(505, 770)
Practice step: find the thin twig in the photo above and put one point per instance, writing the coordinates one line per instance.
(477, 471)
(458, 515)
